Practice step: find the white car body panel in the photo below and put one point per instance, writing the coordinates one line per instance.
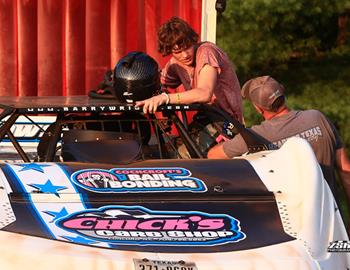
(306, 206)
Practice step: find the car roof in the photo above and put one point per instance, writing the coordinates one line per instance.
(76, 104)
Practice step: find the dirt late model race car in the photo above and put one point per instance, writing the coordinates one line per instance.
(107, 188)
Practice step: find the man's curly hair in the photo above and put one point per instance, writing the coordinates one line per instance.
(175, 33)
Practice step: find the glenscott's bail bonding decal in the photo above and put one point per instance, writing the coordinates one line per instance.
(137, 225)
(171, 179)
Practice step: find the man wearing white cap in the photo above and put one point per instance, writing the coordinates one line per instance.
(281, 123)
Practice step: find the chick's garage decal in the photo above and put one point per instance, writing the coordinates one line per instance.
(137, 225)
(138, 180)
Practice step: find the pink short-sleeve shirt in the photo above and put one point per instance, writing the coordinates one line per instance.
(227, 93)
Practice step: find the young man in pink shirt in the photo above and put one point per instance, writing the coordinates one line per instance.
(202, 68)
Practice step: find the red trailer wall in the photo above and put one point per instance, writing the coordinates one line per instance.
(63, 47)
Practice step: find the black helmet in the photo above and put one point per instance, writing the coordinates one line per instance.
(135, 77)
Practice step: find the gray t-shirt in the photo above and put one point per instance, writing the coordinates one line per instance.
(311, 125)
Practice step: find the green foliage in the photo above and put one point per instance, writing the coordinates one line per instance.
(262, 34)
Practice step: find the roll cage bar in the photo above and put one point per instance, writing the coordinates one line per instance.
(64, 108)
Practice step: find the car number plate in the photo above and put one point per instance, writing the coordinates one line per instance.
(145, 264)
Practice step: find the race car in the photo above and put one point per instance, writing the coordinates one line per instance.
(107, 189)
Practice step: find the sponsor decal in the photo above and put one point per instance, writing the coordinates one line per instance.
(137, 225)
(339, 246)
(171, 179)
(102, 108)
